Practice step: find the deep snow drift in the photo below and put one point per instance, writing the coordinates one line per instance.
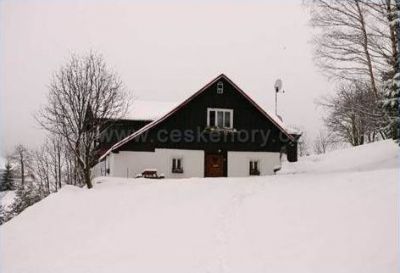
(331, 213)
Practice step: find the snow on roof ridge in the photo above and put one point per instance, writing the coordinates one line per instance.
(142, 109)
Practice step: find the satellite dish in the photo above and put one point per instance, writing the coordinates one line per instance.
(278, 85)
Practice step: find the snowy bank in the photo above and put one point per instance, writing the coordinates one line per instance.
(377, 155)
(335, 220)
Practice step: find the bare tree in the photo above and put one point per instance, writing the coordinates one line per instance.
(382, 33)
(358, 42)
(71, 168)
(343, 45)
(22, 157)
(55, 147)
(323, 142)
(353, 114)
(83, 95)
(48, 163)
(303, 144)
(42, 168)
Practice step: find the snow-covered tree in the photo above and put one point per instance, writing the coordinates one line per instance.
(7, 179)
(392, 83)
(26, 195)
(323, 142)
(22, 158)
(2, 215)
(352, 115)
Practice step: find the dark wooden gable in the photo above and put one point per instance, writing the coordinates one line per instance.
(191, 116)
(115, 131)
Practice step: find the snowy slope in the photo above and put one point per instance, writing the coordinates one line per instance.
(335, 215)
(378, 155)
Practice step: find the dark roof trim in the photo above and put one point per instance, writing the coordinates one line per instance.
(154, 123)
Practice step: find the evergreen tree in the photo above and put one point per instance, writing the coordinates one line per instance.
(7, 180)
(392, 83)
(25, 196)
(2, 215)
(391, 105)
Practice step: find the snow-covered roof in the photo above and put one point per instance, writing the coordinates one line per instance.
(289, 129)
(149, 109)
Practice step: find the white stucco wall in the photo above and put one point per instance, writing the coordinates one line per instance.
(238, 163)
(129, 164)
(100, 168)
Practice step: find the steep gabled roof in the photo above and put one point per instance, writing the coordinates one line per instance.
(276, 121)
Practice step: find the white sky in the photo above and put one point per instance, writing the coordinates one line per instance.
(163, 50)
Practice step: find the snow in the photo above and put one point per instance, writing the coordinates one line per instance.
(331, 213)
(155, 110)
(7, 199)
(150, 109)
(2, 163)
(289, 129)
(378, 155)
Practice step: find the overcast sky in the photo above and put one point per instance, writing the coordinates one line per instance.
(163, 50)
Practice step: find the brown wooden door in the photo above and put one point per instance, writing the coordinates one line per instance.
(214, 165)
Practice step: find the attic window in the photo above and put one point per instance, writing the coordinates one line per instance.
(220, 88)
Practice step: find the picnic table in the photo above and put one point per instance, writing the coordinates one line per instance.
(151, 173)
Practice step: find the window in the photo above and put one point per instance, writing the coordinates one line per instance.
(177, 165)
(220, 118)
(254, 168)
(220, 88)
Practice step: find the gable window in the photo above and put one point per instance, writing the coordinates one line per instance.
(220, 88)
(220, 118)
(177, 165)
(254, 167)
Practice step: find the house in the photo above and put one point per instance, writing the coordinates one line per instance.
(219, 131)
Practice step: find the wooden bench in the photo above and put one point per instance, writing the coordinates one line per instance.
(151, 173)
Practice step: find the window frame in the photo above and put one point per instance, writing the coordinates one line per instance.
(223, 110)
(220, 87)
(177, 167)
(252, 170)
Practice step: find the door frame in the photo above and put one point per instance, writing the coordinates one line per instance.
(224, 155)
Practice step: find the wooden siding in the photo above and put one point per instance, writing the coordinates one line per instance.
(192, 117)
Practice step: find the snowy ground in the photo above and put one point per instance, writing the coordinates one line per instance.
(333, 213)
(2, 163)
(7, 199)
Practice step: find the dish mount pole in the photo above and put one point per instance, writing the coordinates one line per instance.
(278, 88)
